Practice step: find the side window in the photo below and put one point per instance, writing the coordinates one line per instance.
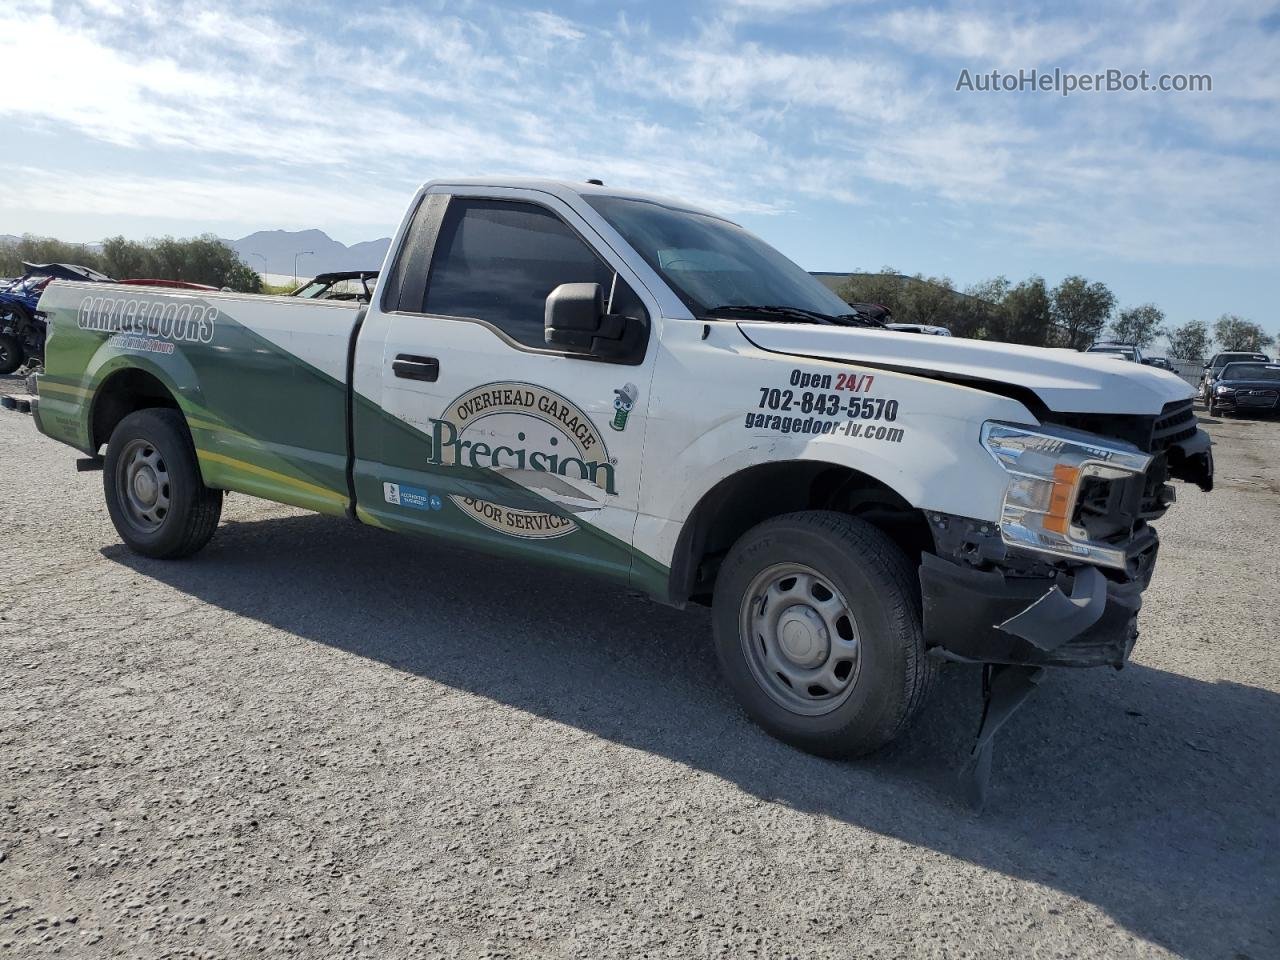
(496, 260)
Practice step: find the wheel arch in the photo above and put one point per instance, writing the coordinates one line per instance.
(760, 492)
(123, 392)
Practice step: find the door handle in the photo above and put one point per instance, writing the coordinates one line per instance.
(411, 367)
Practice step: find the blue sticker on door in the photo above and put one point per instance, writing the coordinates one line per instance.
(402, 495)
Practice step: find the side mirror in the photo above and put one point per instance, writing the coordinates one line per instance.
(573, 313)
(574, 317)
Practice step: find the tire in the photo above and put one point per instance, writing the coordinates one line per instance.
(157, 500)
(11, 353)
(880, 636)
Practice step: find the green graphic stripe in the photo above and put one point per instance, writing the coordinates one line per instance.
(267, 423)
(308, 490)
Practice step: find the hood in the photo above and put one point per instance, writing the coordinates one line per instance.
(1062, 380)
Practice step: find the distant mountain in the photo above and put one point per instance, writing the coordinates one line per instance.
(272, 251)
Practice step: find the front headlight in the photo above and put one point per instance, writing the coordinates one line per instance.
(1223, 391)
(1046, 467)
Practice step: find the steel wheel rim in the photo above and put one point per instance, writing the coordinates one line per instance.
(800, 639)
(143, 485)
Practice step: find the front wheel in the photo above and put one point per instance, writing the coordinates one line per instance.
(155, 495)
(11, 353)
(817, 626)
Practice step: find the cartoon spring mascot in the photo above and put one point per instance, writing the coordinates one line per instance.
(623, 401)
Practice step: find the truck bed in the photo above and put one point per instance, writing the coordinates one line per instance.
(277, 363)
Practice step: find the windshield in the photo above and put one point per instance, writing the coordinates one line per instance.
(1251, 371)
(711, 262)
(312, 289)
(1118, 351)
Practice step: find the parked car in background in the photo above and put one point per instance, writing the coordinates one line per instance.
(353, 286)
(1247, 386)
(21, 326)
(924, 328)
(1126, 351)
(882, 315)
(1219, 361)
(875, 311)
(1159, 362)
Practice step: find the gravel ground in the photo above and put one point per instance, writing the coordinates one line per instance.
(317, 740)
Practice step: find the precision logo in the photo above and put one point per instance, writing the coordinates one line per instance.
(524, 427)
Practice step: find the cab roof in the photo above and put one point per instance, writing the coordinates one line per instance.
(569, 189)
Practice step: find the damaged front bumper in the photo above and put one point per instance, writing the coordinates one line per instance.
(1058, 580)
(1077, 618)
(985, 602)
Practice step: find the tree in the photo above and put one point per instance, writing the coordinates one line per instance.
(33, 249)
(1236, 333)
(884, 288)
(978, 311)
(1080, 310)
(1138, 325)
(918, 299)
(1026, 313)
(123, 258)
(927, 300)
(244, 279)
(203, 259)
(1189, 341)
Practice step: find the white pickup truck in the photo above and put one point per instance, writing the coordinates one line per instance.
(626, 385)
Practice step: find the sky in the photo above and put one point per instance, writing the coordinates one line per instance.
(834, 130)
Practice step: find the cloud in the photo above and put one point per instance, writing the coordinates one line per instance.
(748, 77)
(196, 110)
(773, 8)
(991, 41)
(551, 27)
(201, 199)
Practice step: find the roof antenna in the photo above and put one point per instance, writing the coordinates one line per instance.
(598, 183)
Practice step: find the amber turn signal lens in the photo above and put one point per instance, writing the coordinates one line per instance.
(1064, 485)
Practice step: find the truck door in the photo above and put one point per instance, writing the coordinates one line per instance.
(467, 423)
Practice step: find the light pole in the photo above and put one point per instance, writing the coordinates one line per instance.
(300, 253)
(261, 257)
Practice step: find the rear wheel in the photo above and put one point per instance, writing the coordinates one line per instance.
(817, 627)
(157, 500)
(11, 353)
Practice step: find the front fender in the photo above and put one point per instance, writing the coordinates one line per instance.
(937, 463)
(720, 405)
